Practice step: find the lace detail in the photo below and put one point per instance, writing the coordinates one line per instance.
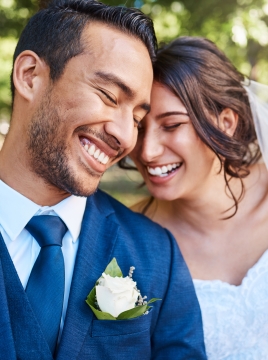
(235, 318)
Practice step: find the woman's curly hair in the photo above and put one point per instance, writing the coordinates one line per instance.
(206, 82)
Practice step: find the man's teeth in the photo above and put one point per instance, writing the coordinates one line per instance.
(91, 150)
(162, 171)
(96, 153)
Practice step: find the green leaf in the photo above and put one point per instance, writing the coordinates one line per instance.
(113, 269)
(153, 300)
(102, 315)
(132, 313)
(137, 311)
(91, 298)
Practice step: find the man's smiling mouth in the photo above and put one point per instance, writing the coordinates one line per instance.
(95, 152)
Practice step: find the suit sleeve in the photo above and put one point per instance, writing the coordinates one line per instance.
(178, 333)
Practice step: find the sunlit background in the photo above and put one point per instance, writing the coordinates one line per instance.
(238, 27)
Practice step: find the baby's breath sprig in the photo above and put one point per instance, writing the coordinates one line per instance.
(141, 299)
(131, 270)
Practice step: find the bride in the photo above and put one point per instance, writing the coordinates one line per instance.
(198, 154)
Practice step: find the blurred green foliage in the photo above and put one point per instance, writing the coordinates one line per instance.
(238, 27)
(13, 17)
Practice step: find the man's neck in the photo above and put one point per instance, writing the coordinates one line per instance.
(16, 173)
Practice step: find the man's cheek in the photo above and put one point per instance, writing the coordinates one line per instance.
(134, 142)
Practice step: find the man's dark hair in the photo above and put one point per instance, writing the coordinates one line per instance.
(54, 33)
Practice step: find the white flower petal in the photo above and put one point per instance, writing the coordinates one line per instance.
(123, 304)
(116, 295)
(105, 300)
(118, 284)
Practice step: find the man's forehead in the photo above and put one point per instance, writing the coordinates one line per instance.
(111, 56)
(97, 34)
(108, 43)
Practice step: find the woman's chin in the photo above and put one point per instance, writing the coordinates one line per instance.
(162, 194)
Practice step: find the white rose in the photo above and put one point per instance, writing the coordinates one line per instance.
(116, 294)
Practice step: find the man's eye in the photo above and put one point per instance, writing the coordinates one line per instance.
(108, 97)
(137, 123)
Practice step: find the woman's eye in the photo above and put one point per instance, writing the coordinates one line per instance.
(172, 127)
(108, 97)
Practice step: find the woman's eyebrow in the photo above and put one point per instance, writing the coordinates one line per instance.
(170, 113)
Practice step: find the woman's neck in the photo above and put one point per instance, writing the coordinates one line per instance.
(203, 210)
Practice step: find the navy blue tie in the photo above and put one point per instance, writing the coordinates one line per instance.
(45, 288)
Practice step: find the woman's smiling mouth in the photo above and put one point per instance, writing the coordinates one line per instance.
(164, 170)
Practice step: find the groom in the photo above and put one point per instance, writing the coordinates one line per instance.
(81, 84)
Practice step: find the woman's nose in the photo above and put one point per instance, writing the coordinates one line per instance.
(152, 147)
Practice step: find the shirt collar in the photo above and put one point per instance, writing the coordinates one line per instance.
(16, 210)
(71, 211)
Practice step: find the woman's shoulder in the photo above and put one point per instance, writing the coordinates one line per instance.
(140, 207)
(149, 207)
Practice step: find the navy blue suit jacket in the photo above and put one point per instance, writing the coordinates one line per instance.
(172, 329)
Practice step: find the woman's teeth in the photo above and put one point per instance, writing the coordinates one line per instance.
(164, 170)
(96, 153)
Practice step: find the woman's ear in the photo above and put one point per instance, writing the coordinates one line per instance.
(228, 121)
(29, 74)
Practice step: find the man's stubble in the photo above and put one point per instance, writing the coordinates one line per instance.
(49, 154)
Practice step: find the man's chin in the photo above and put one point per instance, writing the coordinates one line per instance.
(78, 182)
(85, 190)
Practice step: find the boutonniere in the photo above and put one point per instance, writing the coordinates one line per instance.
(115, 297)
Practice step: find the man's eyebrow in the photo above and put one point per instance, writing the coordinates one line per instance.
(170, 113)
(111, 78)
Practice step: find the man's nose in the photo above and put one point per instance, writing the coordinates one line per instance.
(122, 129)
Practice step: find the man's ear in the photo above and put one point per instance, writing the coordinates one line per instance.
(228, 121)
(29, 74)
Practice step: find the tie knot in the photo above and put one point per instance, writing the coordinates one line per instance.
(47, 230)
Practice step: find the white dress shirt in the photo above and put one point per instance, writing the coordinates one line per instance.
(15, 212)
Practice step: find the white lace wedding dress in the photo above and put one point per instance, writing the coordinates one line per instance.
(235, 318)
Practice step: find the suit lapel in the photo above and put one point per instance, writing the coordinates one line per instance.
(28, 337)
(7, 348)
(96, 241)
